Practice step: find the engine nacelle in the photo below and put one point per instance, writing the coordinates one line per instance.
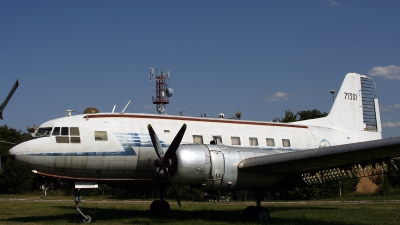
(191, 164)
(209, 167)
(215, 167)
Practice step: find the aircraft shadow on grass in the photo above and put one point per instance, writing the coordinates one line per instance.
(136, 216)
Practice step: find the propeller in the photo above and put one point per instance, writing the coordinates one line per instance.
(164, 160)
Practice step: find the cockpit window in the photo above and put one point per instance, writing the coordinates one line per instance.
(67, 135)
(64, 131)
(43, 131)
(56, 131)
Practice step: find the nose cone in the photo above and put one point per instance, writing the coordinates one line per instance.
(19, 149)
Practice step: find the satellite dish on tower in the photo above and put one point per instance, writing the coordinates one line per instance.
(169, 92)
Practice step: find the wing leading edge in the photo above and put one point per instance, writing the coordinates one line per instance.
(323, 158)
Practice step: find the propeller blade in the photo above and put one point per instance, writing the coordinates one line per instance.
(152, 181)
(10, 94)
(173, 186)
(156, 142)
(175, 143)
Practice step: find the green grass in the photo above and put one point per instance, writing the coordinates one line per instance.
(61, 210)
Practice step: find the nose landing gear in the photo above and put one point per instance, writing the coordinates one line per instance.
(84, 216)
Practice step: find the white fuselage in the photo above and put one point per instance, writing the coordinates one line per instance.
(112, 146)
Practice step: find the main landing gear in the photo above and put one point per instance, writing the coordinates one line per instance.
(84, 216)
(256, 212)
(160, 207)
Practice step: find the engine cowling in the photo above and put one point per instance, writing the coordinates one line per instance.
(191, 164)
(205, 166)
(214, 167)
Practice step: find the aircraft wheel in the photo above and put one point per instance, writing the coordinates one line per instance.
(91, 217)
(154, 207)
(165, 207)
(250, 213)
(158, 207)
(262, 214)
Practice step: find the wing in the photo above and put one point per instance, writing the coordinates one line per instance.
(323, 158)
(10, 94)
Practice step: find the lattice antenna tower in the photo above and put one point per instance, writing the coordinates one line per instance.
(163, 91)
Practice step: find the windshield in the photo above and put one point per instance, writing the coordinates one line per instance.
(43, 131)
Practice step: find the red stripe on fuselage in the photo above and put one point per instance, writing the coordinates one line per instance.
(194, 119)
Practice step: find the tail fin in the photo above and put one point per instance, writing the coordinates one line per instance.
(355, 107)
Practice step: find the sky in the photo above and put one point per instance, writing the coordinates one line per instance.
(257, 57)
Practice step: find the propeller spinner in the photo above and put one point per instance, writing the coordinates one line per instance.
(164, 160)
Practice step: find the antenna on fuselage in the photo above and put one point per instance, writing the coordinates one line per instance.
(113, 109)
(125, 107)
(69, 112)
(163, 92)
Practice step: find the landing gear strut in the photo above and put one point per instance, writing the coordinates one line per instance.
(84, 216)
(256, 212)
(45, 187)
(160, 207)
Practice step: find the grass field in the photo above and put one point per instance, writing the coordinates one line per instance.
(61, 210)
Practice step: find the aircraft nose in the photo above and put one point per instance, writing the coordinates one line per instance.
(18, 149)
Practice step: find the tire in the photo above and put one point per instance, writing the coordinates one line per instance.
(250, 213)
(165, 208)
(155, 206)
(263, 214)
(91, 217)
(158, 207)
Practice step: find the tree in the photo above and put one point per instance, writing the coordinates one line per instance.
(15, 179)
(310, 114)
(300, 115)
(289, 117)
(299, 190)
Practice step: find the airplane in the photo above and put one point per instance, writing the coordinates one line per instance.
(10, 94)
(133, 150)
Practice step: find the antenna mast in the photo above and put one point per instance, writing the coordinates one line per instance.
(163, 92)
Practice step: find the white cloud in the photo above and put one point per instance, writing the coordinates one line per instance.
(389, 108)
(391, 124)
(278, 96)
(387, 72)
(332, 3)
